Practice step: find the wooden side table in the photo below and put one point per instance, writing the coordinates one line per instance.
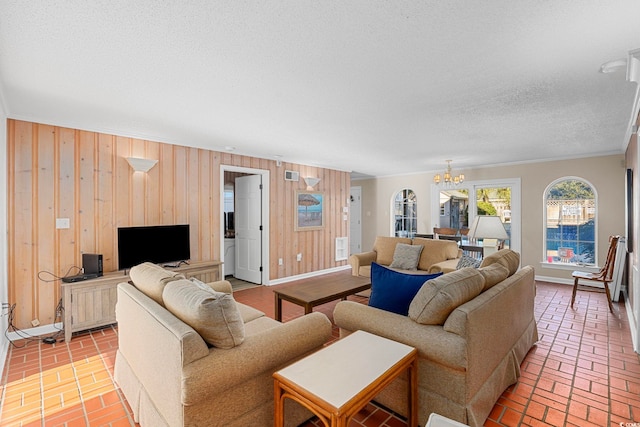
(338, 381)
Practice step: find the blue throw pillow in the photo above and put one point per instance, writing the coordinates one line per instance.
(392, 290)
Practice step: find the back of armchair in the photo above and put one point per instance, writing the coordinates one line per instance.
(154, 345)
(498, 322)
(436, 251)
(384, 247)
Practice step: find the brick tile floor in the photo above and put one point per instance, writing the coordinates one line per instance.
(583, 372)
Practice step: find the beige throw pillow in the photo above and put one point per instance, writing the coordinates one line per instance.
(150, 279)
(214, 315)
(505, 257)
(406, 257)
(493, 274)
(440, 296)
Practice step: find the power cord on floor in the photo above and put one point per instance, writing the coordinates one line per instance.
(11, 327)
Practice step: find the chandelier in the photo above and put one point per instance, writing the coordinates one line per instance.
(447, 178)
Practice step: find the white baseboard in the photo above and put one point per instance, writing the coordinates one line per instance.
(307, 275)
(36, 332)
(554, 280)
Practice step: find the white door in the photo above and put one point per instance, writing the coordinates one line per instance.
(355, 224)
(248, 223)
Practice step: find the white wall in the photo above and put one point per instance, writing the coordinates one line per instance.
(606, 173)
(377, 196)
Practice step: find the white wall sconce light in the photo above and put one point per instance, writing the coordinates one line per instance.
(311, 182)
(141, 165)
(613, 66)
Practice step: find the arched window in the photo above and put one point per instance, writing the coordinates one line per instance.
(404, 213)
(570, 221)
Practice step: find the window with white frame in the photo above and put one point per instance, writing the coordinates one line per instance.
(503, 194)
(404, 213)
(570, 221)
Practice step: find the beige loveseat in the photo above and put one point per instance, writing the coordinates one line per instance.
(468, 352)
(171, 377)
(436, 256)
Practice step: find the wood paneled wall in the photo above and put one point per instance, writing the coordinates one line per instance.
(57, 172)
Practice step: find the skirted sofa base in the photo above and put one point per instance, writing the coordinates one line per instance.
(171, 377)
(467, 360)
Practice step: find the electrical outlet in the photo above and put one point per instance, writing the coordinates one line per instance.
(62, 223)
(299, 257)
(279, 261)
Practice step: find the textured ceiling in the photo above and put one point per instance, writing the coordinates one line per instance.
(376, 87)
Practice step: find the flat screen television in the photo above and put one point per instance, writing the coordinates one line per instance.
(157, 244)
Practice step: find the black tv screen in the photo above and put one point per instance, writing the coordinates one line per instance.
(157, 244)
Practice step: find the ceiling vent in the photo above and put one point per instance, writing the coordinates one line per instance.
(291, 176)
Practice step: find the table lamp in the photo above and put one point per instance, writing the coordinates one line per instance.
(488, 227)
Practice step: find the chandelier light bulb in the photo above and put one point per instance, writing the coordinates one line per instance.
(447, 178)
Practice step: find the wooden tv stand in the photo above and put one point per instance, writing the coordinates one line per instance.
(92, 303)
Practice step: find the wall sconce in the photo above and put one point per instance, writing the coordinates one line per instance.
(311, 182)
(141, 165)
(613, 66)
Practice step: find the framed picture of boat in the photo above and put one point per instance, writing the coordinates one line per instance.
(309, 213)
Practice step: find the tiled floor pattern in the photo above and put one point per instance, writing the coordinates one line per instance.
(583, 372)
(64, 385)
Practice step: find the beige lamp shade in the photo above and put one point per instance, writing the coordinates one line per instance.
(487, 227)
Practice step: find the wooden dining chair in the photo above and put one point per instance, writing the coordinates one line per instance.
(445, 231)
(604, 276)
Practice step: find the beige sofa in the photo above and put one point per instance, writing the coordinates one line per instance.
(171, 377)
(469, 352)
(436, 256)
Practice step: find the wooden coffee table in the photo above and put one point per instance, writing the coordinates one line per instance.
(335, 383)
(314, 291)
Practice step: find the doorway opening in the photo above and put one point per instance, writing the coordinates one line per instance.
(244, 224)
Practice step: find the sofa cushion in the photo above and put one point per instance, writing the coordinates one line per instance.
(406, 257)
(506, 257)
(385, 247)
(439, 297)
(493, 274)
(392, 290)
(214, 315)
(435, 251)
(151, 279)
(467, 261)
